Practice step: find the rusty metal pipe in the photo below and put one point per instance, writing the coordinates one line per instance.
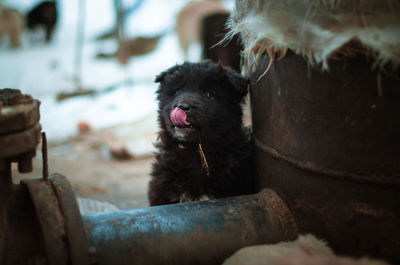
(189, 233)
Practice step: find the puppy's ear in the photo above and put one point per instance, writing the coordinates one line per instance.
(239, 82)
(161, 77)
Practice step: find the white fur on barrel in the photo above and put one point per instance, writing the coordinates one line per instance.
(306, 250)
(319, 28)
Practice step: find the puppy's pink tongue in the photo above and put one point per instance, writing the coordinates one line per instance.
(178, 117)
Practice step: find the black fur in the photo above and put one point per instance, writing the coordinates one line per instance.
(43, 15)
(214, 95)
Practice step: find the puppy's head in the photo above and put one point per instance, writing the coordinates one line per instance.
(200, 100)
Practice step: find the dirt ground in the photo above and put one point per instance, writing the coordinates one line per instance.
(94, 173)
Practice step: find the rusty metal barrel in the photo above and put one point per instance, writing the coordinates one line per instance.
(328, 142)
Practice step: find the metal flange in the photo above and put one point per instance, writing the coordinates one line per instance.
(59, 219)
(74, 228)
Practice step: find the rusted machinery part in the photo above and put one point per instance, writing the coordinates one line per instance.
(42, 225)
(328, 144)
(19, 136)
(16, 143)
(19, 129)
(59, 220)
(75, 232)
(50, 219)
(17, 111)
(189, 233)
(21, 237)
(40, 222)
(45, 228)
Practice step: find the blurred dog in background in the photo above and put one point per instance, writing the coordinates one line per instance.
(11, 25)
(44, 15)
(189, 21)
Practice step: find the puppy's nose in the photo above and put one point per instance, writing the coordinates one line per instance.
(184, 107)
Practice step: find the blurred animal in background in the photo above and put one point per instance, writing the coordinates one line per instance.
(133, 47)
(189, 20)
(43, 15)
(11, 25)
(214, 46)
(204, 150)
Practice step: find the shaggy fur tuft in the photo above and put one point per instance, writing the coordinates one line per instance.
(318, 29)
(207, 154)
(306, 250)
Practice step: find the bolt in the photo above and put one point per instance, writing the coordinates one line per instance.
(44, 157)
(25, 164)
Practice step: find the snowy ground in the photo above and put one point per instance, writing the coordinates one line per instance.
(46, 70)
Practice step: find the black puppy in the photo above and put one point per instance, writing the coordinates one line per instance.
(204, 152)
(43, 15)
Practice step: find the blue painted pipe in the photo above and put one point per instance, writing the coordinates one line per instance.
(188, 233)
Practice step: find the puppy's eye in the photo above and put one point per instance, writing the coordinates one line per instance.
(178, 92)
(209, 95)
